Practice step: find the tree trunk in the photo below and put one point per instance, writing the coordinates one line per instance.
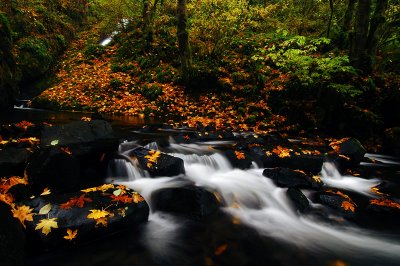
(346, 35)
(183, 40)
(358, 55)
(328, 31)
(376, 22)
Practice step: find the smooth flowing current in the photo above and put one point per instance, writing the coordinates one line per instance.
(256, 202)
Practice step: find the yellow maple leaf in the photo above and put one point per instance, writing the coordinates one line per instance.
(348, 206)
(152, 157)
(46, 225)
(97, 214)
(7, 198)
(317, 178)
(46, 191)
(71, 234)
(101, 221)
(23, 213)
(137, 198)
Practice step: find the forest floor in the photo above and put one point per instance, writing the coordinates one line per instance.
(94, 83)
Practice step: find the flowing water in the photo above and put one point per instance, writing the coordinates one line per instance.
(256, 202)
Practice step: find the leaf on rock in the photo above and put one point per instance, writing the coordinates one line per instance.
(97, 214)
(101, 221)
(71, 234)
(45, 209)
(45, 192)
(240, 155)
(221, 249)
(23, 213)
(54, 142)
(152, 158)
(348, 206)
(46, 225)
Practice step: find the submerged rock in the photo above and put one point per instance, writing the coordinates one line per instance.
(82, 216)
(285, 177)
(157, 163)
(189, 201)
(299, 200)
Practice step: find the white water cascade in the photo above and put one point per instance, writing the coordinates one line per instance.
(257, 202)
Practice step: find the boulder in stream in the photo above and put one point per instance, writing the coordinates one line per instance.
(285, 177)
(81, 216)
(189, 201)
(158, 163)
(13, 160)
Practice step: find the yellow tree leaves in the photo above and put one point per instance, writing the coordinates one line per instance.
(71, 234)
(23, 213)
(152, 158)
(46, 225)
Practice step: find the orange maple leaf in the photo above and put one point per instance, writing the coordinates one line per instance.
(71, 234)
(78, 202)
(240, 155)
(347, 205)
(221, 249)
(385, 202)
(281, 152)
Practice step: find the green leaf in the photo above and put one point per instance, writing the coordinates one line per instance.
(54, 142)
(45, 209)
(117, 192)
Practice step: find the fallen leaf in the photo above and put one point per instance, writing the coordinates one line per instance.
(97, 214)
(23, 213)
(45, 209)
(46, 225)
(71, 234)
(221, 249)
(101, 221)
(45, 192)
(54, 142)
(240, 155)
(348, 206)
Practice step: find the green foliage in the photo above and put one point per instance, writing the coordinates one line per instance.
(151, 92)
(94, 50)
(34, 56)
(301, 57)
(116, 84)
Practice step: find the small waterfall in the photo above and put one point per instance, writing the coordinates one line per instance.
(331, 177)
(215, 161)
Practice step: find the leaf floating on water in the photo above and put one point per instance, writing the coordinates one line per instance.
(46, 225)
(71, 234)
(45, 209)
(54, 142)
(45, 192)
(23, 213)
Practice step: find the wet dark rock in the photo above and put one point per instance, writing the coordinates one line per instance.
(339, 202)
(351, 148)
(384, 215)
(285, 177)
(94, 212)
(186, 137)
(12, 161)
(12, 238)
(53, 168)
(239, 159)
(164, 165)
(308, 163)
(20, 192)
(77, 133)
(189, 201)
(299, 200)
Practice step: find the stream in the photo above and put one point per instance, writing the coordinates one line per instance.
(257, 223)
